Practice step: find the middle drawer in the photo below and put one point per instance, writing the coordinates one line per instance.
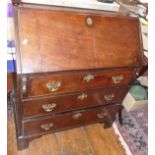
(68, 102)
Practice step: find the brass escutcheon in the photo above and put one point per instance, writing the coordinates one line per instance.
(101, 115)
(49, 107)
(117, 79)
(77, 115)
(109, 97)
(89, 21)
(47, 126)
(53, 86)
(82, 96)
(88, 78)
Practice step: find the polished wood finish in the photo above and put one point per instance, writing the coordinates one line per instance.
(10, 85)
(86, 140)
(59, 37)
(74, 68)
(37, 85)
(10, 81)
(9, 89)
(33, 107)
(76, 118)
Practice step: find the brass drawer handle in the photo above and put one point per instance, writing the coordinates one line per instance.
(47, 126)
(117, 79)
(82, 96)
(77, 115)
(101, 115)
(88, 78)
(49, 107)
(109, 97)
(53, 86)
(89, 21)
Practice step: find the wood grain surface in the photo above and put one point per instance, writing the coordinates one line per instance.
(68, 120)
(88, 140)
(75, 81)
(72, 101)
(61, 40)
(63, 51)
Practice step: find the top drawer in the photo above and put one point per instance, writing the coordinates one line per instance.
(48, 84)
(61, 40)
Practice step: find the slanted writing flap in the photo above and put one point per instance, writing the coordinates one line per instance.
(62, 40)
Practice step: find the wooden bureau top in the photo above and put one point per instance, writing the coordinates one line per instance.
(59, 40)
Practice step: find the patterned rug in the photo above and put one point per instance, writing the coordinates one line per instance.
(134, 131)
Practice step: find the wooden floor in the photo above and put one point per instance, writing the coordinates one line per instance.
(88, 140)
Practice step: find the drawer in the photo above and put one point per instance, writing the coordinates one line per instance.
(68, 102)
(70, 119)
(48, 84)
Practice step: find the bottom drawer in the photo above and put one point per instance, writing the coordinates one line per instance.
(43, 125)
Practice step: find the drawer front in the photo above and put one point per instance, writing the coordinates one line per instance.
(70, 102)
(74, 81)
(71, 119)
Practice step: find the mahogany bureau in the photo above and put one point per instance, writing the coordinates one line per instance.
(74, 67)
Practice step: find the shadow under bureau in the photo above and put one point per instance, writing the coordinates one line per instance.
(74, 67)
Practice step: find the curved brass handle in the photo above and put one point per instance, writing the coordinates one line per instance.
(49, 107)
(109, 97)
(88, 78)
(89, 21)
(101, 115)
(47, 126)
(82, 96)
(53, 86)
(117, 79)
(77, 115)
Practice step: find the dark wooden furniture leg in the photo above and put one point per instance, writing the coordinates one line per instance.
(9, 100)
(120, 115)
(22, 144)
